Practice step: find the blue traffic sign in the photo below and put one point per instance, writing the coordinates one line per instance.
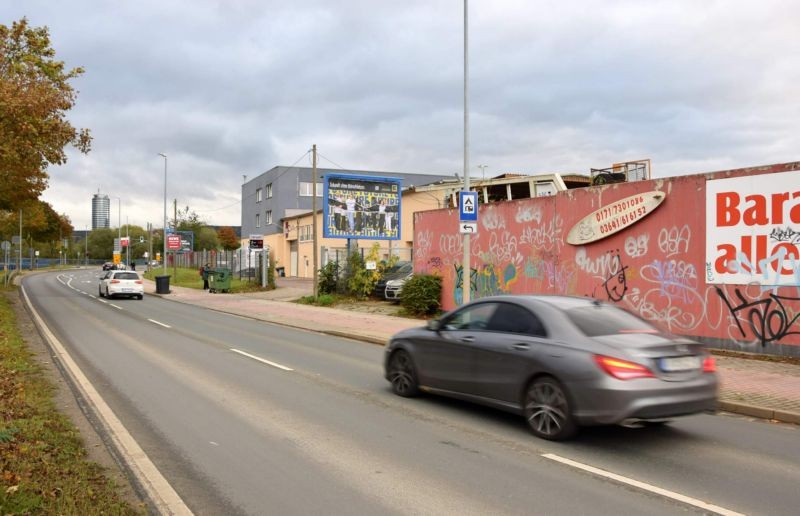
(468, 206)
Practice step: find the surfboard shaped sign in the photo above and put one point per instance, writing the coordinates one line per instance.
(614, 217)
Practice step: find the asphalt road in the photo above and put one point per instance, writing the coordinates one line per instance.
(307, 424)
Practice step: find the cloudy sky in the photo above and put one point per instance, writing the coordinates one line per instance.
(228, 88)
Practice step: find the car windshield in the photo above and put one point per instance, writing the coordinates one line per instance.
(126, 275)
(601, 319)
(400, 268)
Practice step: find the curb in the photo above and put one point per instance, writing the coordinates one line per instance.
(784, 416)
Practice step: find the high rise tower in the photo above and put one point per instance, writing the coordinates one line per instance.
(101, 211)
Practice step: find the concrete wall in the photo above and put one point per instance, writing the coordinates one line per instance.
(657, 267)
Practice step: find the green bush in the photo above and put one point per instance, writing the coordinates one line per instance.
(326, 300)
(360, 281)
(306, 300)
(422, 294)
(329, 278)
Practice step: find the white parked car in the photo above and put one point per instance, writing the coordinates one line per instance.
(121, 283)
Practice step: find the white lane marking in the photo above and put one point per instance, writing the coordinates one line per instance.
(164, 497)
(273, 364)
(93, 297)
(716, 509)
(159, 323)
(115, 306)
(102, 300)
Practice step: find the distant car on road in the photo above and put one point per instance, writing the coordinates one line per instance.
(108, 266)
(121, 283)
(562, 362)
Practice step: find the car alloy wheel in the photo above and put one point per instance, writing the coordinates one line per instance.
(402, 375)
(547, 410)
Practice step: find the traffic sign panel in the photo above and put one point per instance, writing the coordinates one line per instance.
(468, 206)
(467, 227)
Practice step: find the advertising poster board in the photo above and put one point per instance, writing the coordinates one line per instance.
(753, 230)
(365, 207)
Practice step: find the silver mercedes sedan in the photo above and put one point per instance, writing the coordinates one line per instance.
(562, 362)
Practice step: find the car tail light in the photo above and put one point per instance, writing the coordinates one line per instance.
(709, 365)
(114, 281)
(622, 369)
(138, 282)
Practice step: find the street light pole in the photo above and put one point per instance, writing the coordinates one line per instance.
(164, 257)
(467, 268)
(119, 225)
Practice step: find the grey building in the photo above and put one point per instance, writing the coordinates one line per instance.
(101, 211)
(285, 191)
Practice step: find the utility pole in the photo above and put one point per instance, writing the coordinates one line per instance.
(150, 240)
(467, 268)
(175, 225)
(314, 212)
(19, 267)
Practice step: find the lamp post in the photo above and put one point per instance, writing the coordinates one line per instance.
(86, 247)
(466, 265)
(119, 225)
(164, 257)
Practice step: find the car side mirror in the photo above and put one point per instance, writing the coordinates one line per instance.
(434, 325)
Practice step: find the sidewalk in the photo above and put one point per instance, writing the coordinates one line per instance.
(763, 389)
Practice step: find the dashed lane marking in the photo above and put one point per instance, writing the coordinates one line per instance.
(716, 509)
(262, 360)
(159, 323)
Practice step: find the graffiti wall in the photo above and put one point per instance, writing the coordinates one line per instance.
(652, 247)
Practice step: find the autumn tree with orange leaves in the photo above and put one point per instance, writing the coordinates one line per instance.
(35, 96)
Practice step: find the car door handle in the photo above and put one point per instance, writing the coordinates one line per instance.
(521, 347)
(467, 339)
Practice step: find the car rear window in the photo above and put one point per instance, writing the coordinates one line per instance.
(597, 320)
(126, 275)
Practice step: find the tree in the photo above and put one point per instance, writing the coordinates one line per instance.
(101, 243)
(207, 239)
(188, 220)
(227, 238)
(35, 95)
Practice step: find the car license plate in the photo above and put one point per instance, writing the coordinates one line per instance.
(673, 364)
(127, 290)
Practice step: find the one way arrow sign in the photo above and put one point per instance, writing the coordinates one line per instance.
(468, 227)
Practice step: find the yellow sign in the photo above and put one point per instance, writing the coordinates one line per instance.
(117, 258)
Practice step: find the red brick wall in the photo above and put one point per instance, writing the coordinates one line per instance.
(655, 267)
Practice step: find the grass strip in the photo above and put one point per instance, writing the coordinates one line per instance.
(43, 464)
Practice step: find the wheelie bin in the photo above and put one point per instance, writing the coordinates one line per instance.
(219, 280)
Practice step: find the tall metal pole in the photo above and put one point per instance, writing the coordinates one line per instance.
(314, 212)
(119, 226)
(164, 256)
(19, 266)
(467, 268)
(86, 247)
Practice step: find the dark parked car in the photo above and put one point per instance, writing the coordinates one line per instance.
(562, 362)
(393, 277)
(108, 266)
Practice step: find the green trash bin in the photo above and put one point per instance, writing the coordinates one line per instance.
(219, 280)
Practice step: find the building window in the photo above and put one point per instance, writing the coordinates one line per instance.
(258, 194)
(305, 233)
(258, 220)
(268, 218)
(306, 188)
(269, 191)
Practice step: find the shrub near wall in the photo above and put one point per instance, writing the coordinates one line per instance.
(422, 294)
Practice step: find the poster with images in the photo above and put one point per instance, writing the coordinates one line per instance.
(361, 207)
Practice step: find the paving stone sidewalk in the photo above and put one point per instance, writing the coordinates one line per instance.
(769, 390)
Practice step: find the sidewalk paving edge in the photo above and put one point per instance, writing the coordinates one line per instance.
(783, 416)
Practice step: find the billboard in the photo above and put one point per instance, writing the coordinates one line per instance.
(752, 230)
(361, 207)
